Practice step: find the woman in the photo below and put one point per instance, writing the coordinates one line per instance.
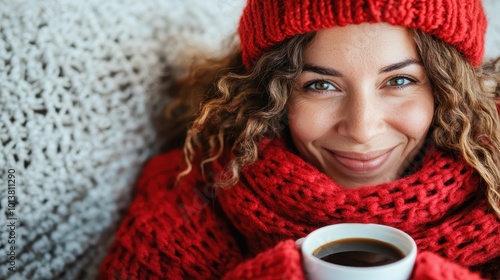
(328, 112)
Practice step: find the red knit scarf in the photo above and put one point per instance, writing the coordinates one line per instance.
(281, 197)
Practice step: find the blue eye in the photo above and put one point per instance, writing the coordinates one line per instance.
(320, 86)
(399, 82)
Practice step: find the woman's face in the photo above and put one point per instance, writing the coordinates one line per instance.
(361, 109)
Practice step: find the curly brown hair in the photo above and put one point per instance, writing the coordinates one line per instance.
(221, 110)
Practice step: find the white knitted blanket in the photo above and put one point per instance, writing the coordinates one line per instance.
(75, 80)
(74, 126)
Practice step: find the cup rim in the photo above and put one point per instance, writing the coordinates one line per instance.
(410, 256)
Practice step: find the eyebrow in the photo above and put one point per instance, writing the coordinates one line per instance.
(321, 70)
(332, 72)
(400, 65)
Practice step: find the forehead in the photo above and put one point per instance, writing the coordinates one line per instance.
(376, 44)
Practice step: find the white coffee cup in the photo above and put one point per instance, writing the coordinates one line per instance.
(318, 269)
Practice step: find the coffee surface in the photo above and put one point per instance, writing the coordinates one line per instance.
(359, 252)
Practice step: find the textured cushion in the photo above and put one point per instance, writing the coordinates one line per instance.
(75, 80)
(74, 125)
(492, 8)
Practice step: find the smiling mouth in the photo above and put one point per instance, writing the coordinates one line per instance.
(361, 162)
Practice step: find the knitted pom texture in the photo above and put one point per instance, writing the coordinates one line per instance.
(461, 23)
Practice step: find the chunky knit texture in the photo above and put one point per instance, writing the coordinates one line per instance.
(74, 117)
(70, 199)
(461, 23)
(248, 230)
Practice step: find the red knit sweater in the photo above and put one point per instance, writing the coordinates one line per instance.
(248, 231)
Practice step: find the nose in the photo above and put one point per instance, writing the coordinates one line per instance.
(363, 117)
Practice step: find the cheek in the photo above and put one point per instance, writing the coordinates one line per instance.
(307, 120)
(415, 118)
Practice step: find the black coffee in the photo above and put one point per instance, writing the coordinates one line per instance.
(359, 252)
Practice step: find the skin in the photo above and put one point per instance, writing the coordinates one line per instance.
(362, 107)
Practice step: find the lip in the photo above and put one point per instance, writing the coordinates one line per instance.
(361, 162)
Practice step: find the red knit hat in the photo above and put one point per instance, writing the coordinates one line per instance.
(265, 23)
